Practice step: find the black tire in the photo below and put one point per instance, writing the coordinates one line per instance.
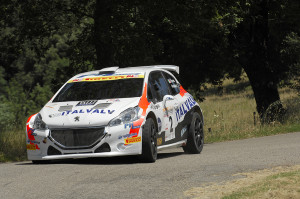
(149, 142)
(195, 139)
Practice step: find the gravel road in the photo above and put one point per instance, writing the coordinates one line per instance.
(173, 173)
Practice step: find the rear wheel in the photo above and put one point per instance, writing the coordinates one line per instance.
(149, 142)
(195, 139)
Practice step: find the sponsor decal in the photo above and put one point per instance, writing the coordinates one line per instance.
(128, 135)
(87, 103)
(183, 130)
(106, 78)
(171, 81)
(77, 80)
(31, 132)
(132, 140)
(31, 147)
(80, 111)
(131, 125)
(33, 141)
(185, 107)
(30, 135)
(159, 124)
(49, 106)
(115, 74)
(113, 100)
(159, 141)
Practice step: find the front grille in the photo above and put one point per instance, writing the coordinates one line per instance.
(77, 138)
(103, 148)
(53, 151)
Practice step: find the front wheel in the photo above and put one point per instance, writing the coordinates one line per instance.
(195, 139)
(149, 142)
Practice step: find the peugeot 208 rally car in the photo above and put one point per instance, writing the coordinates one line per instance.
(115, 112)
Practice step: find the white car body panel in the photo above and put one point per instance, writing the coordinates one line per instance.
(124, 139)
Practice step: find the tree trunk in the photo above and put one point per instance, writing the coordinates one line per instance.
(266, 94)
(256, 62)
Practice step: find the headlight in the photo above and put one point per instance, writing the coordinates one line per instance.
(127, 116)
(39, 123)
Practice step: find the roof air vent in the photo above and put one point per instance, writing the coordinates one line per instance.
(110, 70)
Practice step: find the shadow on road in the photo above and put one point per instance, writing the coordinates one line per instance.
(107, 160)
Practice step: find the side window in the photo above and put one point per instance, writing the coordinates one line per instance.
(158, 85)
(172, 84)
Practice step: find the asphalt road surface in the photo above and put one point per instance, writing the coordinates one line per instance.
(124, 177)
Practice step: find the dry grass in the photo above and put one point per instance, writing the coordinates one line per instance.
(279, 182)
(12, 146)
(283, 185)
(230, 116)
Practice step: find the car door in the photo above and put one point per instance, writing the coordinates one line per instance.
(183, 108)
(163, 103)
(173, 105)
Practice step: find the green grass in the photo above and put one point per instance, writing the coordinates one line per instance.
(230, 116)
(12, 146)
(282, 185)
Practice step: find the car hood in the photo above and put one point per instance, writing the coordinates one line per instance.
(77, 114)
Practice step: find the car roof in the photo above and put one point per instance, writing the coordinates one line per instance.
(136, 69)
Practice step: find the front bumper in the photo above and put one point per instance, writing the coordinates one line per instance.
(115, 141)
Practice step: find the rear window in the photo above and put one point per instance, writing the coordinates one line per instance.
(97, 90)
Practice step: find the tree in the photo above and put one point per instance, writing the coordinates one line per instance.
(256, 42)
(207, 39)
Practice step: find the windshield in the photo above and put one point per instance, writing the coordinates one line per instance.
(97, 90)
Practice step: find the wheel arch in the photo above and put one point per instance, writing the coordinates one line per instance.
(152, 115)
(199, 111)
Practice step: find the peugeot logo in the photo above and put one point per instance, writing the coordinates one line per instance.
(76, 119)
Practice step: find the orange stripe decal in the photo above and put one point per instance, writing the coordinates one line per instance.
(182, 91)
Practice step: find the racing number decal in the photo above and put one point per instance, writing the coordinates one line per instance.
(170, 133)
(171, 121)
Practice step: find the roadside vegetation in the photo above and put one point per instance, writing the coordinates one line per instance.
(278, 182)
(282, 185)
(228, 113)
(13, 145)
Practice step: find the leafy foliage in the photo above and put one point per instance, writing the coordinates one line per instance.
(43, 43)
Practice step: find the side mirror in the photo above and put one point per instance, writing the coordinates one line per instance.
(165, 99)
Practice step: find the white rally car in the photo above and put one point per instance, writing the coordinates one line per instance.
(115, 112)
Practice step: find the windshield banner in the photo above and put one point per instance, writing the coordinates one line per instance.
(106, 78)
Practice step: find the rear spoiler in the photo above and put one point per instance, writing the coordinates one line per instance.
(168, 67)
